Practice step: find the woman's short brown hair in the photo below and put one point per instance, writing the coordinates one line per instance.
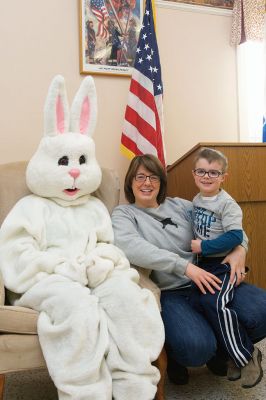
(152, 164)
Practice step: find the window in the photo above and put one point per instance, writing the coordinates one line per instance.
(251, 60)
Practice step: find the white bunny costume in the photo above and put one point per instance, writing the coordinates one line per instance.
(98, 330)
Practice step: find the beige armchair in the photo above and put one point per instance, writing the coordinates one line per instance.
(19, 345)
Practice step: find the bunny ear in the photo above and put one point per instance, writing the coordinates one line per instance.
(84, 108)
(56, 110)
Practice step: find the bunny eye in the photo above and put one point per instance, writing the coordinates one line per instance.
(82, 159)
(63, 161)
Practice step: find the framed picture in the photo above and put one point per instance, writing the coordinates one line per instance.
(109, 31)
(210, 3)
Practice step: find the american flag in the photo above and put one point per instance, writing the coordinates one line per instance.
(99, 9)
(143, 126)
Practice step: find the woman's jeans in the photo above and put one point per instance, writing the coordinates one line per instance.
(190, 339)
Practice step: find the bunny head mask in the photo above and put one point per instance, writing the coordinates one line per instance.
(64, 166)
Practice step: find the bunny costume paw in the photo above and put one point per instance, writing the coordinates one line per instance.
(103, 261)
(99, 331)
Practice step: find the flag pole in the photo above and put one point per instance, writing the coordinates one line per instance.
(154, 13)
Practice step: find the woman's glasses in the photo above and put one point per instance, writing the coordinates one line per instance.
(142, 178)
(212, 173)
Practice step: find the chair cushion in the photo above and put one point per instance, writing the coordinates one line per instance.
(18, 320)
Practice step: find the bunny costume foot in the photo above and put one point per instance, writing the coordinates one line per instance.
(99, 331)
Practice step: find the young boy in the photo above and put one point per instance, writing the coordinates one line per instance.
(217, 220)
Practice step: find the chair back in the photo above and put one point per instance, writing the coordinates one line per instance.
(13, 187)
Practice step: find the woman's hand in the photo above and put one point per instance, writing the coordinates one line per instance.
(202, 278)
(237, 259)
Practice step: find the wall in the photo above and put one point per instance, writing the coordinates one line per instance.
(200, 82)
(40, 39)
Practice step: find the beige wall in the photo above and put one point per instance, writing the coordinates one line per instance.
(200, 88)
(39, 39)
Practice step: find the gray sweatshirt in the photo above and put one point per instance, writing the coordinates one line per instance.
(158, 239)
(216, 215)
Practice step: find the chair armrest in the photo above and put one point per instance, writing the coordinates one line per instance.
(147, 283)
(2, 291)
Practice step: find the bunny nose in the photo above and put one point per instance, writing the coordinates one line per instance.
(74, 172)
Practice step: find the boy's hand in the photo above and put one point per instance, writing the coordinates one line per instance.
(196, 246)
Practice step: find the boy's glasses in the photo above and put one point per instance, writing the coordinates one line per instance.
(212, 173)
(142, 178)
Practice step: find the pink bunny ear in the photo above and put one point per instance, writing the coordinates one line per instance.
(56, 111)
(60, 121)
(84, 108)
(84, 116)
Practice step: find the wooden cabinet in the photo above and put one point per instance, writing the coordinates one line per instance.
(246, 183)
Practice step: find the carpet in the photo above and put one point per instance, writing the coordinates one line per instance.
(37, 385)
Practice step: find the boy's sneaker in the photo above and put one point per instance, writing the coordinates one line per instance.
(252, 372)
(233, 371)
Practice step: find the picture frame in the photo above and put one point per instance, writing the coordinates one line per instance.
(109, 31)
(227, 4)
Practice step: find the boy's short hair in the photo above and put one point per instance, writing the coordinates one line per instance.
(212, 155)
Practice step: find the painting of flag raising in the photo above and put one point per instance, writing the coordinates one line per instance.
(143, 125)
(109, 31)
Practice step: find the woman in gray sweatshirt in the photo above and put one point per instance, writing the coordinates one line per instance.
(155, 232)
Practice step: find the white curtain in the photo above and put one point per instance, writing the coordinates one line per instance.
(248, 34)
(251, 90)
